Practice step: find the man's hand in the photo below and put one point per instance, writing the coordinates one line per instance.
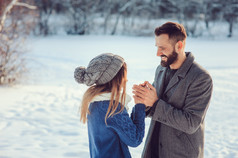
(145, 93)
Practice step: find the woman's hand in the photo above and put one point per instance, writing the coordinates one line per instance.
(145, 93)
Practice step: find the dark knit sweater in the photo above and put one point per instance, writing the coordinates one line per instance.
(112, 140)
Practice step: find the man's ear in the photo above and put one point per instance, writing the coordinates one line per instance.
(179, 46)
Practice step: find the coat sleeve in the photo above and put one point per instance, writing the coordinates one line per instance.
(130, 129)
(189, 118)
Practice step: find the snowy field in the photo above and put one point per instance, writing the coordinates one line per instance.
(39, 118)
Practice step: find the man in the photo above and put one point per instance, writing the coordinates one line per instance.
(178, 99)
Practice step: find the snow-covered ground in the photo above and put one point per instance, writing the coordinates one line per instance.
(39, 118)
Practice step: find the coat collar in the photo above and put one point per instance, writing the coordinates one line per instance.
(182, 71)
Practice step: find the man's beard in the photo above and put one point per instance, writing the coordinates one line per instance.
(170, 59)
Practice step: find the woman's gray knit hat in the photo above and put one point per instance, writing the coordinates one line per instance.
(101, 69)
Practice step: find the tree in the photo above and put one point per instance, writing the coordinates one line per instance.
(45, 9)
(230, 14)
(14, 25)
(80, 14)
(213, 11)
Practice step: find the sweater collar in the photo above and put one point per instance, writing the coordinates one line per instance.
(107, 96)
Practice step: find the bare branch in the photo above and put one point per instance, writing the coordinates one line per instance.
(25, 5)
(8, 10)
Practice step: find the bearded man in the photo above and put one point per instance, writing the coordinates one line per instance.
(177, 100)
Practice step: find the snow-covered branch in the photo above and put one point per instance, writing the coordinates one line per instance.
(9, 8)
(25, 5)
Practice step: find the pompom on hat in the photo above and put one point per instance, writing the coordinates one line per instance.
(101, 69)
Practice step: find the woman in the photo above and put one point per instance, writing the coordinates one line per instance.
(110, 129)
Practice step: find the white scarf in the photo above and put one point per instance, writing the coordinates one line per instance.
(107, 96)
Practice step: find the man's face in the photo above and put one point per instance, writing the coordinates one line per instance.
(165, 50)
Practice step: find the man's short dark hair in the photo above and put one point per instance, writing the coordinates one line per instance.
(175, 31)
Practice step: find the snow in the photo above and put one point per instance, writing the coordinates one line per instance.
(39, 118)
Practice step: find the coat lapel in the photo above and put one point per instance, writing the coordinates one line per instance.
(172, 82)
(160, 81)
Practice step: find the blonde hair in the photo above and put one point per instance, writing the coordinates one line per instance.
(115, 86)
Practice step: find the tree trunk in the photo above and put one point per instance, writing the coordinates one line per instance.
(115, 26)
(230, 28)
(105, 22)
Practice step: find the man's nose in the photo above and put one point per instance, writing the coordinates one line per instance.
(159, 53)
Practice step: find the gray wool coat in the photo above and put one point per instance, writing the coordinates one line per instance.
(177, 124)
